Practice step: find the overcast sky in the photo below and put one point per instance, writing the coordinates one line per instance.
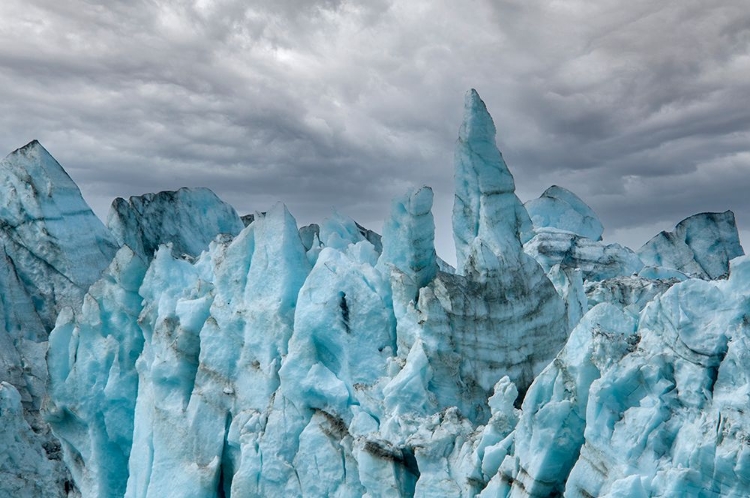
(641, 107)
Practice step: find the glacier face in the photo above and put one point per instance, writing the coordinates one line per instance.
(197, 353)
(266, 353)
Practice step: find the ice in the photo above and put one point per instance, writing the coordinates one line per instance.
(22, 340)
(568, 283)
(188, 218)
(344, 332)
(671, 412)
(25, 470)
(561, 209)
(323, 361)
(700, 246)
(550, 431)
(211, 355)
(490, 225)
(249, 357)
(568, 236)
(596, 260)
(632, 293)
(52, 248)
(57, 244)
(93, 380)
(486, 208)
(410, 237)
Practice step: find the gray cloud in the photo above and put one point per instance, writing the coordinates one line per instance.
(638, 107)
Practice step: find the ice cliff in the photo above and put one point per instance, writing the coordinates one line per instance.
(200, 354)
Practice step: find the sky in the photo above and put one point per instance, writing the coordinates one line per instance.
(639, 107)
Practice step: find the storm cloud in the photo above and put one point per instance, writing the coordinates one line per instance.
(639, 107)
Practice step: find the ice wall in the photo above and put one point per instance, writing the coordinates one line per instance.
(95, 353)
(282, 367)
(330, 361)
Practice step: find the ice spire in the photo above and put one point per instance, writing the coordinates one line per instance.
(409, 236)
(485, 207)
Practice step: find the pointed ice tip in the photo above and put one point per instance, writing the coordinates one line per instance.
(30, 149)
(473, 99)
(33, 148)
(478, 124)
(33, 145)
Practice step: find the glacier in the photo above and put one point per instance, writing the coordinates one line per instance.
(183, 350)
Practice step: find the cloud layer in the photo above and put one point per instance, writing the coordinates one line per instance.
(639, 107)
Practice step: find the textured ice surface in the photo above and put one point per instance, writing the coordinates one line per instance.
(95, 353)
(562, 209)
(551, 428)
(632, 293)
(26, 469)
(651, 404)
(330, 361)
(670, 418)
(596, 260)
(486, 208)
(188, 218)
(700, 246)
(58, 246)
(29, 455)
(22, 339)
(52, 247)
